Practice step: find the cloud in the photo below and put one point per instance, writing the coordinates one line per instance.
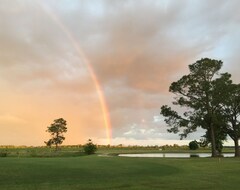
(136, 49)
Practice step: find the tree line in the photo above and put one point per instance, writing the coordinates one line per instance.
(208, 99)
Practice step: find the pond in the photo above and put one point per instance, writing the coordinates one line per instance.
(174, 155)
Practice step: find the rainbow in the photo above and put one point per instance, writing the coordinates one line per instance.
(83, 57)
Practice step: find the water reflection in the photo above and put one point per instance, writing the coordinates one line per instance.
(174, 155)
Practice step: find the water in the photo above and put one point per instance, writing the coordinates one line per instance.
(173, 155)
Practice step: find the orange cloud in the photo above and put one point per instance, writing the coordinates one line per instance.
(136, 50)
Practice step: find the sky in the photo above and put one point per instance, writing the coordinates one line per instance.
(55, 53)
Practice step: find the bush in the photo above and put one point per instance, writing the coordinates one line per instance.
(194, 156)
(89, 147)
(193, 145)
(3, 154)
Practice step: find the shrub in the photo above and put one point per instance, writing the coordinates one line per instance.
(89, 147)
(193, 145)
(194, 156)
(3, 154)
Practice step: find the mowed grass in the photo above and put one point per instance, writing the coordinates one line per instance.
(112, 172)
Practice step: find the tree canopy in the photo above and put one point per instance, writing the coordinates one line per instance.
(56, 130)
(203, 94)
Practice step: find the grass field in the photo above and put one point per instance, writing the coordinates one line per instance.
(72, 151)
(112, 172)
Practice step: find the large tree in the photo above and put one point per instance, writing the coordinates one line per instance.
(56, 130)
(200, 94)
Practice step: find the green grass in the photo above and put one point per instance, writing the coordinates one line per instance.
(42, 152)
(78, 151)
(96, 172)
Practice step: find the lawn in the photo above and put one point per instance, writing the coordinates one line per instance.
(112, 172)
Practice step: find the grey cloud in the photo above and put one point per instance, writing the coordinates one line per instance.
(136, 48)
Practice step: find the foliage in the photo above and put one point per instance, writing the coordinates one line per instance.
(201, 92)
(193, 145)
(231, 113)
(89, 147)
(220, 137)
(56, 130)
(3, 154)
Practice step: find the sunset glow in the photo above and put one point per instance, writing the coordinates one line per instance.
(105, 66)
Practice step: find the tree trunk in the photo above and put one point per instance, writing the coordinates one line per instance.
(56, 143)
(213, 141)
(237, 152)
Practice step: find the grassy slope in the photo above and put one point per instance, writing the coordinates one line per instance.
(95, 172)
